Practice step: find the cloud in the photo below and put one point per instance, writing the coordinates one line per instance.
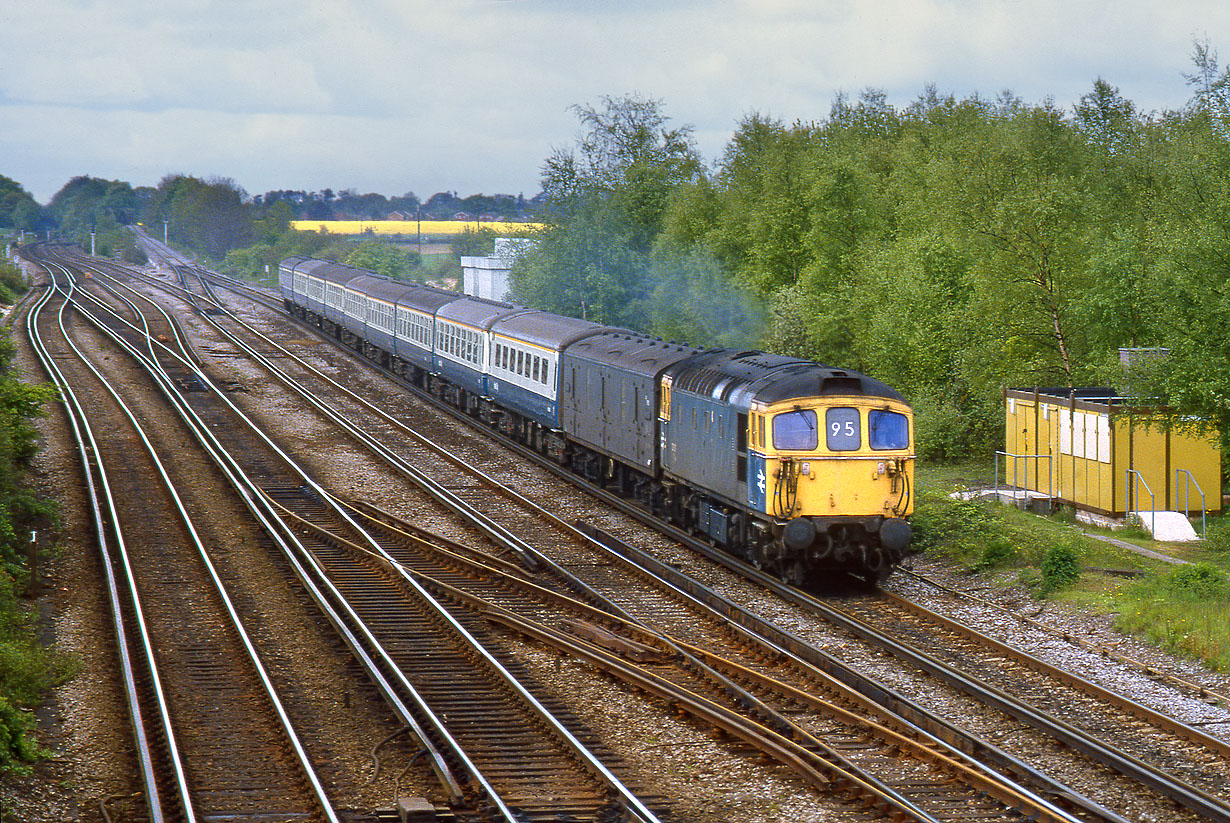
(473, 94)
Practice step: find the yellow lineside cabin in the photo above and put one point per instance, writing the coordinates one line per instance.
(1078, 446)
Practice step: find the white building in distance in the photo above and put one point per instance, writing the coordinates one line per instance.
(487, 277)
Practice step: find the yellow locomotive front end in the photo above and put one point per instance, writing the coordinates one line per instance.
(836, 475)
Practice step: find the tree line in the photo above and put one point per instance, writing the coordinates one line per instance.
(239, 233)
(348, 204)
(215, 215)
(950, 247)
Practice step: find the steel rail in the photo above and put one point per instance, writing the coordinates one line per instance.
(929, 748)
(270, 690)
(1146, 669)
(493, 530)
(837, 768)
(1168, 786)
(251, 494)
(1155, 718)
(627, 798)
(83, 436)
(820, 771)
(87, 446)
(255, 500)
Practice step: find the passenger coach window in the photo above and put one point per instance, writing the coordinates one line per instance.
(795, 431)
(888, 430)
(843, 429)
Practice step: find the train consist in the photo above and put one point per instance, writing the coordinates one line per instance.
(804, 470)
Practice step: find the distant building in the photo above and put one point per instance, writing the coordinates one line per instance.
(487, 277)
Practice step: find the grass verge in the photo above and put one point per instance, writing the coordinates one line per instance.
(1184, 609)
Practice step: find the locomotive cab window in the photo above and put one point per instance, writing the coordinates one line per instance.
(887, 430)
(843, 429)
(795, 431)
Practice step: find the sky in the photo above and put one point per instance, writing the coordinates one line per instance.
(396, 96)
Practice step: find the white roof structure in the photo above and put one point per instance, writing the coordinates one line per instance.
(487, 277)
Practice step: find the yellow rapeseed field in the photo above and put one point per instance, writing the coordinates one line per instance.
(431, 227)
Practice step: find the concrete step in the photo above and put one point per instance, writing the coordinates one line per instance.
(1169, 527)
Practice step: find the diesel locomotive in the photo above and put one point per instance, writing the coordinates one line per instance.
(804, 470)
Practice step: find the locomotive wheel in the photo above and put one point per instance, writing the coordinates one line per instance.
(734, 534)
(793, 572)
(755, 555)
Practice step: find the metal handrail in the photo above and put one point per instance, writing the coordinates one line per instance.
(1187, 490)
(1016, 458)
(1140, 480)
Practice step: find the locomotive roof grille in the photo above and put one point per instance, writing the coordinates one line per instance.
(771, 378)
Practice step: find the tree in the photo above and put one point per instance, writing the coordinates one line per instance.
(604, 203)
(694, 301)
(1107, 119)
(384, 259)
(442, 205)
(473, 242)
(1014, 189)
(209, 216)
(18, 209)
(1210, 85)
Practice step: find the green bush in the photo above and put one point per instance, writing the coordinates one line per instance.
(1217, 536)
(972, 533)
(949, 526)
(1198, 583)
(999, 551)
(1060, 567)
(27, 669)
(17, 746)
(12, 283)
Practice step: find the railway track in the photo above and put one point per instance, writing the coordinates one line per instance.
(1178, 757)
(998, 614)
(497, 750)
(1165, 776)
(1198, 802)
(921, 786)
(855, 746)
(212, 736)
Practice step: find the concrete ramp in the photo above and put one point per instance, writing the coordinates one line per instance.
(1169, 527)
